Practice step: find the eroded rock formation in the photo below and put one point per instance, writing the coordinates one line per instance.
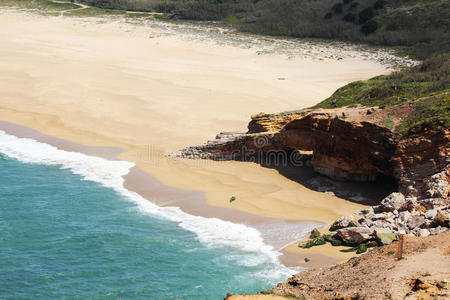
(343, 148)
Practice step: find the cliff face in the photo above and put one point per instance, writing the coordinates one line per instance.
(342, 149)
(272, 122)
(420, 155)
(344, 146)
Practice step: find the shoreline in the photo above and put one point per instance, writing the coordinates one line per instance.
(170, 94)
(190, 202)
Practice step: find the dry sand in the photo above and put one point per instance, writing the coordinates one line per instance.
(109, 84)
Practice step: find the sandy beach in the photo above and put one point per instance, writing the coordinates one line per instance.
(110, 84)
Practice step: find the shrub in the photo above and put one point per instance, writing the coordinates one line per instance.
(369, 27)
(337, 8)
(328, 15)
(365, 15)
(350, 17)
(392, 27)
(379, 4)
(353, 6)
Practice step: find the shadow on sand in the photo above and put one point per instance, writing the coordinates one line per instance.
(301, 171)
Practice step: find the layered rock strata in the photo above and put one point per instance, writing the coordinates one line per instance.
(346, 147)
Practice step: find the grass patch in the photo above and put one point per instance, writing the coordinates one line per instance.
(388, 123)
(432, 111)
(232, 20)
(427, 85)
(94, 12)
(38, 4)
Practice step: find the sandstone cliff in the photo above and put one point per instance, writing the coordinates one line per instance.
(396, 126)
(343, 147)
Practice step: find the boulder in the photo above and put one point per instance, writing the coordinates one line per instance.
(401, 232)
(404, 216)
(431, 203)
(431, 214)
(365, 222)
(442, 218)
(366, 213)
(423, 233)
(437, 230)
(380, 216)
(313, 242)
(384, 236)
(415, 222)
(315, 233)
(393, 202)
(437, 186)
(409, 205)
(379, 224)
(343, 222)
(355, 235)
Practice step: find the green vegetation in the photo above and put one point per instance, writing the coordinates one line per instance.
(332, 240)
(361, 249)
(93, 12)
(388, 123)
(429, 112)
(335, 225)
(317, 240)
(39, 4)
(233, 198)
(314, 234)
(426, 85)
(313, 242)
(232, 20)
(419, 27)
(422, 26)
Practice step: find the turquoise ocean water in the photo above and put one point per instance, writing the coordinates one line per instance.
(67, 233)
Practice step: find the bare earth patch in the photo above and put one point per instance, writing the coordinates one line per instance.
(422, 273)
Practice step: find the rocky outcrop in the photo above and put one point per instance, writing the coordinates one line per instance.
(421, 162)
(378, 274)
(273, 122)
(410, 216)
(350, 148)
(343, 222)
(355, 235)
(393, 202)
(341, 149)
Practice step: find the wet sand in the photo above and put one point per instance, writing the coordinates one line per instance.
(276, 232)
(108, 84)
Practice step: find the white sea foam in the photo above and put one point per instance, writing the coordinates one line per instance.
(210, 231)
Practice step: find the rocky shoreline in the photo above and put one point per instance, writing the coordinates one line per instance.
(366, 130)
(420, 273)
(349, 144)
